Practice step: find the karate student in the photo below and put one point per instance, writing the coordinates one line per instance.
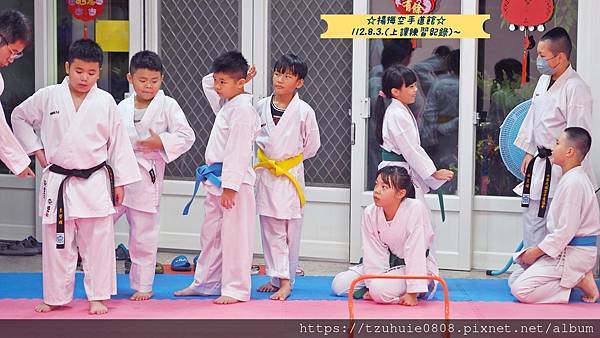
(398, 134)
(565, 257)
(15, 34)
(289, 134)
(561, 99)
(81, 138)
(397, 236)
(159, 134)
(227, 233)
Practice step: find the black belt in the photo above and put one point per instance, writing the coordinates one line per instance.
(60, 203)
(397, 261)
(543, 153)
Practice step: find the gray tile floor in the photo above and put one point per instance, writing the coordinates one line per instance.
(311, 266)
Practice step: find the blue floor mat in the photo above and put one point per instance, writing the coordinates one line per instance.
(29, 285)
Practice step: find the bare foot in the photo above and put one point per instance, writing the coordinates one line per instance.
(141, 295)
(97, 307)
(367, 296)
(267, 287)
(43, 308)
(225, 300)
(589, 288)
(188, 292)
(284, 290)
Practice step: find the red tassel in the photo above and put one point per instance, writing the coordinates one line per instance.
(85, 31)
(525, 59)
(414, 43)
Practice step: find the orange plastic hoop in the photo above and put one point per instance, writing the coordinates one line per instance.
(363, 277)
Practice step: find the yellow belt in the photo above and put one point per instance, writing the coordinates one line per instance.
(279, 168)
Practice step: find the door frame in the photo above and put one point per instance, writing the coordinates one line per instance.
(462, 203)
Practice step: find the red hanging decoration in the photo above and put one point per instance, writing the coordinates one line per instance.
(414, 7)
(527, 15)
(86, 10)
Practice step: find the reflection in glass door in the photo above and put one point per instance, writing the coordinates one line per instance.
(108, 27)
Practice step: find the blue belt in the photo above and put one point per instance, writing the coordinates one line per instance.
(205, 172)
(584, 241)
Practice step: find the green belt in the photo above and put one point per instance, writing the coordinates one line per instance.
(391, 156)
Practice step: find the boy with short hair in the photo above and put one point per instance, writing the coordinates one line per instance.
(289, 135)
(159, 134)
(87, 160)
(564, 259)
(227, 233)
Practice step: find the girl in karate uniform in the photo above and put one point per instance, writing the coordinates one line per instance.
(397, 236)
(398, 134)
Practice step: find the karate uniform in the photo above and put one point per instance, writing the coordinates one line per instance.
(409, 235)
(574, 212)
(568, 103)
(277, 199)
(227, 235)
(11, 152)
(77, 140)
(401, 136)
(142, 199)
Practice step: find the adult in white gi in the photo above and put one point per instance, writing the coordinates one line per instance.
(561, 99)
(227, 233)
(15, 33)
(289, 134)
(407, 234)
(80, 131)
(159, 133)
(565, 257)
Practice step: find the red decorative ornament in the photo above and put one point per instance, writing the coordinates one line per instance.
(527, 15)
(414, 7)
(86, 10)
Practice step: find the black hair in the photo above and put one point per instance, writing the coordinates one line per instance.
(145, 60)
(396, 52)
(560, 41)
(442, 51)
(453, 61)
(232, 63)
(507, 70)
(14, 26)
(292, 63)
(395, 76)
(398, 178)
(580, 139)
(86, 50)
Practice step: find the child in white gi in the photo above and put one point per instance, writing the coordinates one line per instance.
(159, 134)
(289, 134)
(226, 236)
(398, 134)
(565, 257)
(397, 237)
(81, 138)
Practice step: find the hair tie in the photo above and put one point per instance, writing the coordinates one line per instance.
(382, 94)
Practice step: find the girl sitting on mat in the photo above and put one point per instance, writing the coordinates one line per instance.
(396, 237)
(398, 134)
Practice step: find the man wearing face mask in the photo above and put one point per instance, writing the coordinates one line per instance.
(15, 33)
(561, 99)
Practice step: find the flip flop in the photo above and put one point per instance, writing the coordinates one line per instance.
(121, 252)
(17, 249)
(180, 263)
(299, 271)
(255, 269)
(31, 242)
